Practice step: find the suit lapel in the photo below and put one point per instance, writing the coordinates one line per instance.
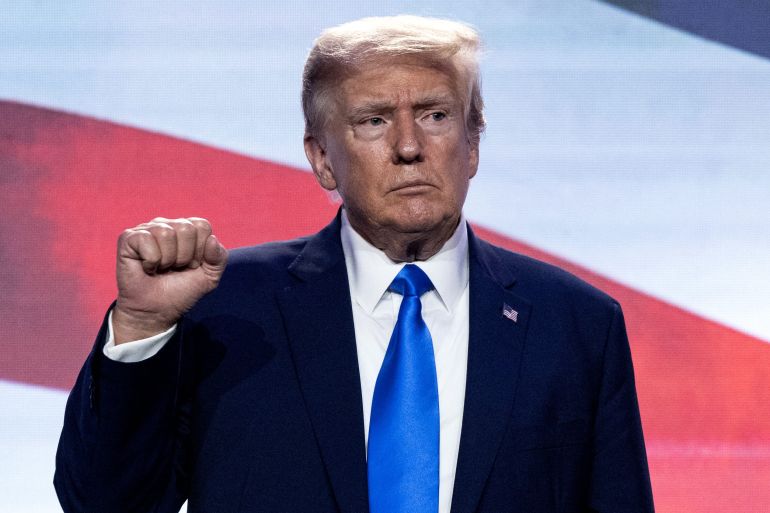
(319, 323)
(494, 354)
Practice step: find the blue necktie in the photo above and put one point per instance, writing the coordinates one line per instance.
(403, 452)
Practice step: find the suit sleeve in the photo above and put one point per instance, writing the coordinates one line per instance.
(123, 443)
(620, 481)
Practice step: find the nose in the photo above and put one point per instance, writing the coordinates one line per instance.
(407, 140)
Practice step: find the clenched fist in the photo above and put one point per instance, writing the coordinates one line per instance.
(163, 268)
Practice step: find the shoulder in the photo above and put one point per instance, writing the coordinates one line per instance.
(251, 279)
(572, 319)
(263, 260)
(542, 281)
(261, 267)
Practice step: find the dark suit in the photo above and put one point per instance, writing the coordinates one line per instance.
(255, 404)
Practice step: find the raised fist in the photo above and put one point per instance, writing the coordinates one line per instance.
(163, 268)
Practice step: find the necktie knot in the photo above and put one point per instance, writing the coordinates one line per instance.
(411, 281)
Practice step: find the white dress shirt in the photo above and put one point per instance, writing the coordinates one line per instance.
(445, 311)
(375, 311)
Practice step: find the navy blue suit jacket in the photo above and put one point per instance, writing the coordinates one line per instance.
(255, 404)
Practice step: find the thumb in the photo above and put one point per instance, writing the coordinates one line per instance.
(214, 254)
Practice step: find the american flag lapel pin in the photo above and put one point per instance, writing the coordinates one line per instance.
(510, 313)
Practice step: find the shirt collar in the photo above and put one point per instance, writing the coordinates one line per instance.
(370, 271)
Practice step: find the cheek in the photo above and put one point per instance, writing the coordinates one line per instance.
(356, 186)
(457, 159)
(368, 169)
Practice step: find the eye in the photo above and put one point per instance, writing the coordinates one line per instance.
(375, 121)
(438, 116)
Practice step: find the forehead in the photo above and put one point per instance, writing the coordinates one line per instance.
(397, 81)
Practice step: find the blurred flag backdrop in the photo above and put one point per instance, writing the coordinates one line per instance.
(628, 141)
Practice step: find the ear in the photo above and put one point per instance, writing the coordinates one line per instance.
(473, 159)
(315, 150)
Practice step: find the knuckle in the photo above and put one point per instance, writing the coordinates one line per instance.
(125, 235)
(131, 234)
(164, 231)
(184, 226)
(200, 223)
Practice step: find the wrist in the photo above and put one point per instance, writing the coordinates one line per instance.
(129, 325)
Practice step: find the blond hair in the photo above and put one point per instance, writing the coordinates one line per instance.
(339, 50)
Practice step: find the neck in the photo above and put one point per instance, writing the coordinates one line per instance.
(408, 247)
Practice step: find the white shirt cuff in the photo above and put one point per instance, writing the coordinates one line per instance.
(137, 350)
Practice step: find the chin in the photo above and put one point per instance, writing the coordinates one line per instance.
(421, 221)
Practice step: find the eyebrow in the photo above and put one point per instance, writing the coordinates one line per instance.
(376, 107)
(369, 108)
(435, 100)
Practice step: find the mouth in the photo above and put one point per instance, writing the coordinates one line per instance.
(415, 187)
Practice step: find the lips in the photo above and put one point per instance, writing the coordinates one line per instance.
(415, 187)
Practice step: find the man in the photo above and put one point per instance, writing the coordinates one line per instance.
(391, 362)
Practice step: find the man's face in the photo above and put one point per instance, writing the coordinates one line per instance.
(397, 150)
